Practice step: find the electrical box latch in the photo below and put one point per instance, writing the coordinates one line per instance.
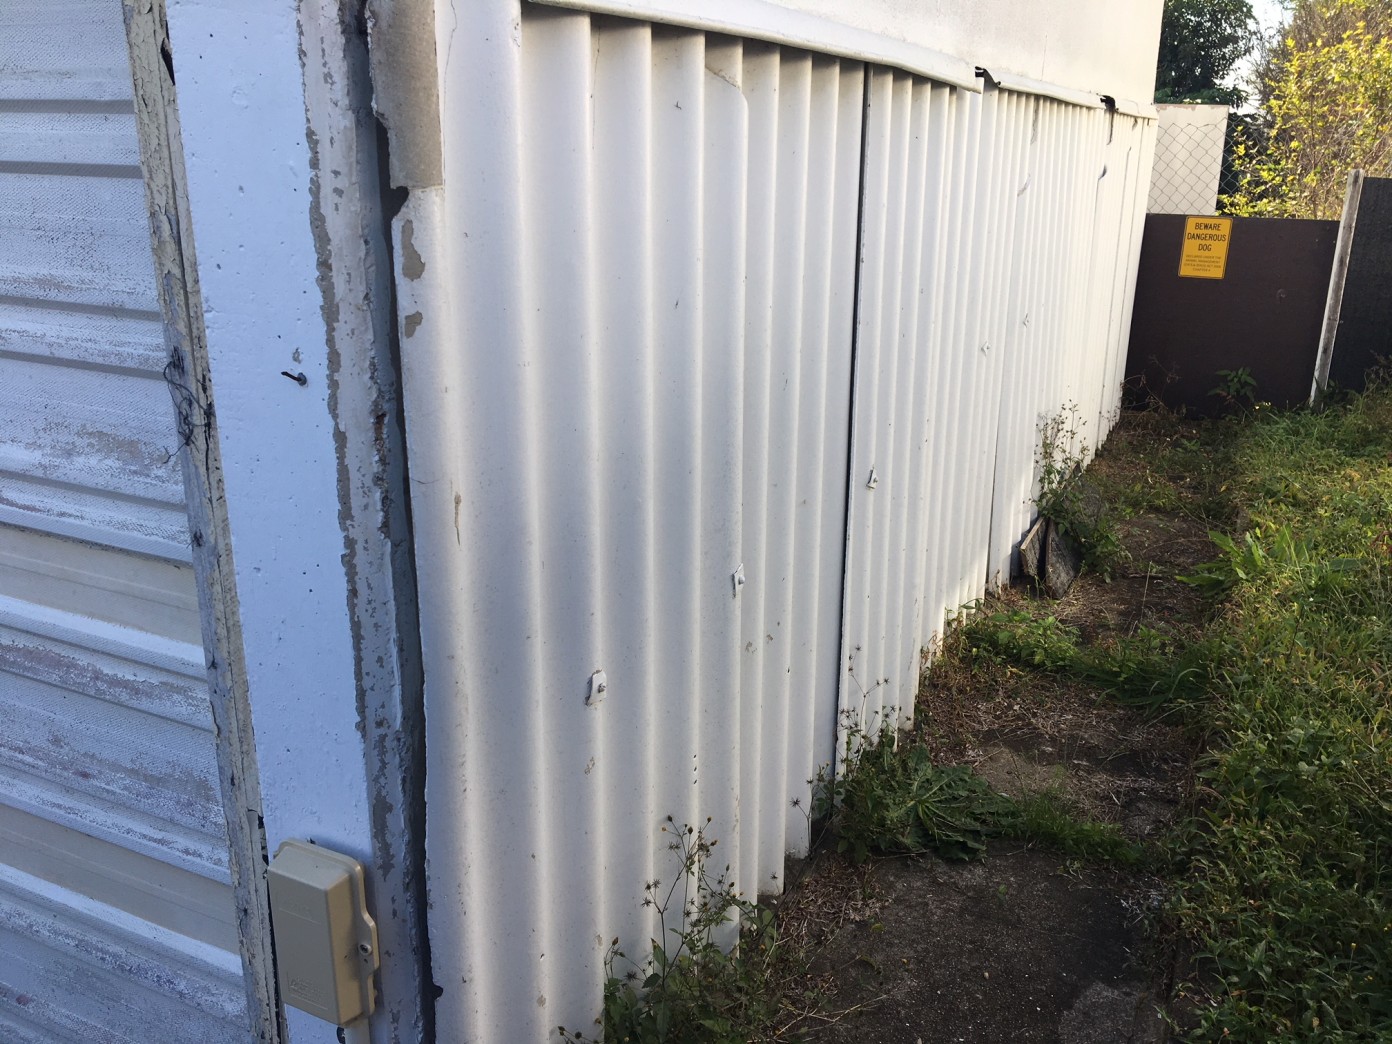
(325, 941)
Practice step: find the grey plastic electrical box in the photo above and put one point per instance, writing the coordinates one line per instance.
(325, 941)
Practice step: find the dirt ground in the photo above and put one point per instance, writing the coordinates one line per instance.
(1017, 947)
(1024, 946)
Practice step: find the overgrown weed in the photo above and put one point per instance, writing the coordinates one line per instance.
(1158, 462)
(1071, 501)
(892, 797)
(1282, 873)
(694, 986)
(889, 796)
(1286, 893)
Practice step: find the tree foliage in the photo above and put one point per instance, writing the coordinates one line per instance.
(1326, 88)
(1200, 42)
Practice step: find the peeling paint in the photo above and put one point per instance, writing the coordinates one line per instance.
(354, 275)
(406, 90)
(726, 75)
(93, 942)
(187, 374)
(412, 264)
(411, 323)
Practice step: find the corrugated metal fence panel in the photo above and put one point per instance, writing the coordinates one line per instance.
(628, 454)
(116, 918)
(998, 253)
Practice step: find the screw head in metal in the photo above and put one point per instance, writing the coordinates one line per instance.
(599, 685)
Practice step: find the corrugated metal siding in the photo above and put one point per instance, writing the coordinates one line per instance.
(86, 431)
(1065, 351)
(640, 394)
(631, 344)
(116, 920)
(999, 254)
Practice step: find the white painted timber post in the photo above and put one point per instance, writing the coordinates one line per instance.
(280, 153)
(186, 371)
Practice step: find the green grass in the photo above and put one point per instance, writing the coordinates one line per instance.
(1161, 463)
(891, 797)
(1147, 668)
(1285, 873)
(1281, 875)
(1046, 818)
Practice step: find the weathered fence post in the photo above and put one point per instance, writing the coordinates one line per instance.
(1334, 302)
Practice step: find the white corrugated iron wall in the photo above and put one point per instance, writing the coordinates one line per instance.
(116, 918)
(1039, 334)
(628, 455)
(631, 339)
(998, 256)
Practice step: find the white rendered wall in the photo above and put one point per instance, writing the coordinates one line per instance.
(1103, 46)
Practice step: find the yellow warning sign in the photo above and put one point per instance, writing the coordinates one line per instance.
(1205, 251)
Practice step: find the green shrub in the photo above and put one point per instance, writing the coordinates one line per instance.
(889, 796)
